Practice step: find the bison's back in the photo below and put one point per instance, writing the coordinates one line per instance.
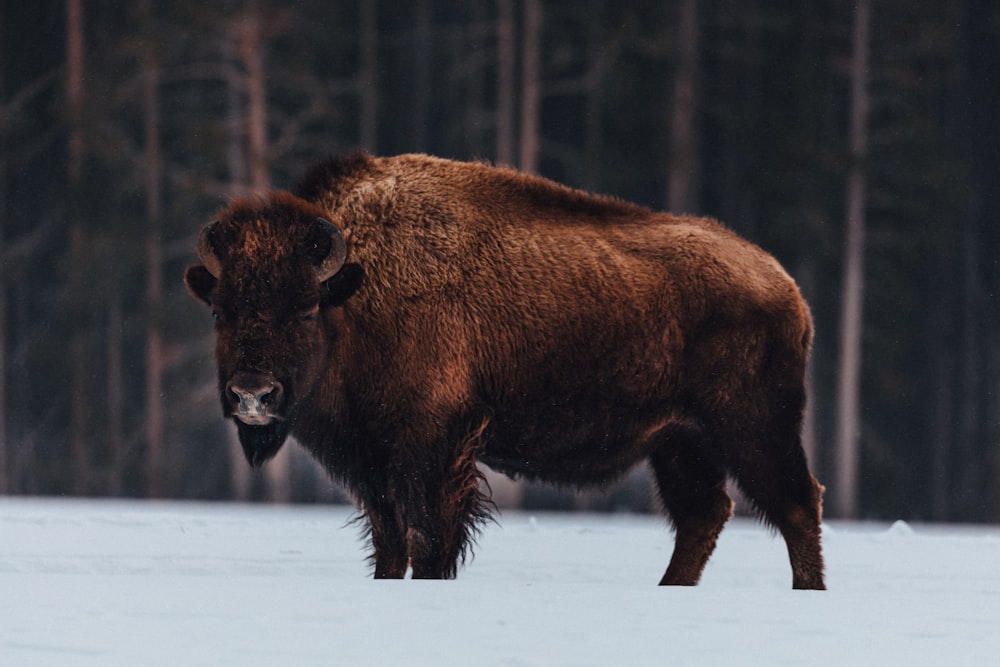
(584, 328)
(595, 344)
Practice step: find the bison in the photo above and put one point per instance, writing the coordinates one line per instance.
(409, 318)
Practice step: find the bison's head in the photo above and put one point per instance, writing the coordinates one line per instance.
(270, 271)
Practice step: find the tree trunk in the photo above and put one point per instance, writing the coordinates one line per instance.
(368, 84)
(506, 62)
(683, 138)
(594, 123)
(967, 448)
(74, 90)
(848, 429)
(506, 492)
(422, 76)
(79, 342)
(154, 417)
(252, 55)
(5, 462)
(531, 85)
(5, 480)
(239, 471)
(470, 89)
(115, 393)
(806, 271)
(943, 364)
(278, 471)
(236, 151)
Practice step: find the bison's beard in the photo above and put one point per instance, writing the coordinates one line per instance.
(261, 443)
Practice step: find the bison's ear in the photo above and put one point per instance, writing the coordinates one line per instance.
(200, 283)
(341, 286)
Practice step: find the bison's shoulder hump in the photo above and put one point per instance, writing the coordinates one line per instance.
(329, 175)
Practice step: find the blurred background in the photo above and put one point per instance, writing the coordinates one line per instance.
(857, 141)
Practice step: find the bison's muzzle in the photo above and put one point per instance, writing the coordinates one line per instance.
(254, 399)
(256, 402)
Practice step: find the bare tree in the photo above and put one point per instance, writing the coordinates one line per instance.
(848, 428)
(14, 252)
(683, 138)
(79, 343)
(251, 51)
(4, 460)
(252, 45)
(155, 354)
(506, 61)
(115, 396)
(594, 127)
(5, 478)
(368, 74)
(806, 276)
(236, 154)
(531, 85)
(422, 75)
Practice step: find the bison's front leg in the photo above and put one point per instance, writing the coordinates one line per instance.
(445, 509)
(388, 539)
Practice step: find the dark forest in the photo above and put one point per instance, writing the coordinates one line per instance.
(858, 142)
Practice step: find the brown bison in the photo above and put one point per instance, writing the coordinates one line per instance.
(408, 318)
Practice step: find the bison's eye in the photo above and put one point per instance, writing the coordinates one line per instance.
(218, 316)
(308, 315)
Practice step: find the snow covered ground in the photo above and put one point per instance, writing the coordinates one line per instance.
(131, 583)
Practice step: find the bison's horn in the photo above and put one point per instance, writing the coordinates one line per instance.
(335, 259)
(206, 253)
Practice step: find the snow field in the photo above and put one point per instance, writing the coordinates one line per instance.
(139, 583)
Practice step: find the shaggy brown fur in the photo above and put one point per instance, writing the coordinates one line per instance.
(485, 315)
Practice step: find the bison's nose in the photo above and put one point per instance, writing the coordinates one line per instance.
(254, 399)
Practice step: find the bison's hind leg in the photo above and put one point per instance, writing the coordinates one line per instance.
(787, 497)
(768, 463)
(692, 486)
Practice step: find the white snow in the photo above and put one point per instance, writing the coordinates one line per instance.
(140, 583)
